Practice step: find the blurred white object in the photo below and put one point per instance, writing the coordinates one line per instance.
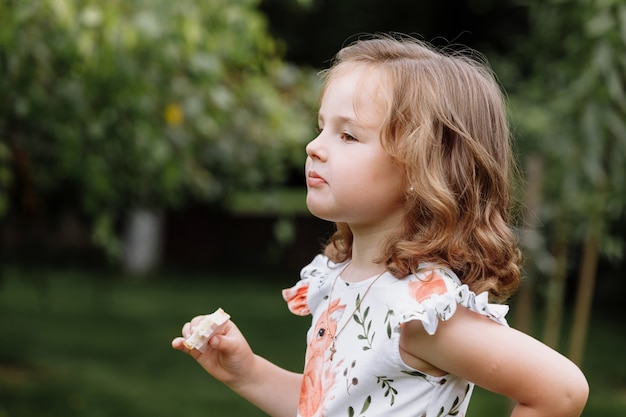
(142, 243)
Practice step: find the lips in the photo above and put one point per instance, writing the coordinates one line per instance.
(314, 179)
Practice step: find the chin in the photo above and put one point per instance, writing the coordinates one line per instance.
(319, 213)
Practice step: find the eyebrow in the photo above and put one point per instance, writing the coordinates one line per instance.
(341, 120)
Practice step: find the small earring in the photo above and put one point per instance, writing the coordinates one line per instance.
(411, 190)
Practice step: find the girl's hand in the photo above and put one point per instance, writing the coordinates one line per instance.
(228, 357)
(230, 360)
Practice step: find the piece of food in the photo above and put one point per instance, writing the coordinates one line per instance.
(210, 325)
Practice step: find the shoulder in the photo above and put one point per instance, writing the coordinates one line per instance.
(318, 268)
(431, 280)
(435, 293)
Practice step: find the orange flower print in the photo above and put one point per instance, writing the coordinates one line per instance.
(317, 379)
(421, 289)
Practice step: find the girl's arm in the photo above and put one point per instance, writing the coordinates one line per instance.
(503, 360)
(231, 360)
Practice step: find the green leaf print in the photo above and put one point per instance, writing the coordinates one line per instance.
(366, 405)
(390, 313)
(390, 391)
(455, 403)
(366, 326)
(455, 409)
(454, 412)
(446, 273)
(415, 373)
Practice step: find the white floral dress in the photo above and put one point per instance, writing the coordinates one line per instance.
(366, 376)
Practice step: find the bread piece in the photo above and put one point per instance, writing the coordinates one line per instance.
(210, 325)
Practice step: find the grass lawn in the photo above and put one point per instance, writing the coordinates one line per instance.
(72, 344)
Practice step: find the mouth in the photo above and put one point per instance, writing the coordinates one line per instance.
(314, 179)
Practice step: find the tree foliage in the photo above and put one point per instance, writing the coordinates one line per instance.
(569, 103)
(145, 102)
(570, 108)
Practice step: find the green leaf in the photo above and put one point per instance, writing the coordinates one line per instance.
(366, 404)
(600, 24)
(415, 373)
(455, 402)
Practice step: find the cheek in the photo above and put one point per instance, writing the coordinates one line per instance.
(389, 174)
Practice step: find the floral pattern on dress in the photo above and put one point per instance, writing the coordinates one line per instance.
(365, 323)
(317, 377)
(367, 377)
(432, 284)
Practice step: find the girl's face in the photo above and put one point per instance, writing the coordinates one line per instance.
(350, 178)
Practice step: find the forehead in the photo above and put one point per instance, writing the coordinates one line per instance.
(359, 87)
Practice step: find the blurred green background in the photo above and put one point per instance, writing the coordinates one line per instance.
(151, 159)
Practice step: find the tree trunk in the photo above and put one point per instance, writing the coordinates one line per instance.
(530, 242)
(584, 297)
(142, 242)
(556, 288)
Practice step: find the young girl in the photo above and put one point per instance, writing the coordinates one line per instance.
(413, 164)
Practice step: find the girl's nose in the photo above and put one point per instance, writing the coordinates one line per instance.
(314, 148)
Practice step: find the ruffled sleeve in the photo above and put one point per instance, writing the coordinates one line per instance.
(298, 295)
(441, 304)
(296, 298)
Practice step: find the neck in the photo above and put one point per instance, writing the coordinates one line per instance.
(367, 248)
(363, 264)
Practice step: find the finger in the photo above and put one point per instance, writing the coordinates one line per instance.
(179, 344)
(226, 340)
(196, 320)
(186, 331)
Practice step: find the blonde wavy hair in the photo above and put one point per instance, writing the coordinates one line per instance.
(446, 128)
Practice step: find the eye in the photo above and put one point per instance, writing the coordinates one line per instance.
(346, 137)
